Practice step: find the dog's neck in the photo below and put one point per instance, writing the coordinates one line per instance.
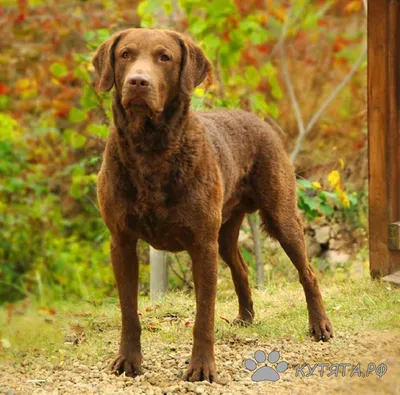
(149, 134)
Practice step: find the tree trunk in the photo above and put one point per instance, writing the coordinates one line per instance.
(158, 274)
(255, 230)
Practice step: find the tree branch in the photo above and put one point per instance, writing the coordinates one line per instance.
(304, 130)
(288, 81)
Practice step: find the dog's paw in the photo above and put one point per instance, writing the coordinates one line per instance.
(243, 321)
(131, 366)
(321, 330)
(244, 318)
(201, 370)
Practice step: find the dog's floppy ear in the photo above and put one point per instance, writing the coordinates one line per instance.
(103, 62)
(194, 65)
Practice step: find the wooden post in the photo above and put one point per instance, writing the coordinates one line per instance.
(158, 274)
(255, 231)
(384, 133)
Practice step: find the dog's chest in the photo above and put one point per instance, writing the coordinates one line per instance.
(155, 210)
(161, 232)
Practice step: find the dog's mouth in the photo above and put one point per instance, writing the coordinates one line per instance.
(140, 104)
(135, 103)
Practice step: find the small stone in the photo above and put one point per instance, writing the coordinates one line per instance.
(322, 234)
(335, 229)
(313, 247)
(336, 244)
(337, 256)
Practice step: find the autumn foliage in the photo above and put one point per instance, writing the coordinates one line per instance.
(53, 121)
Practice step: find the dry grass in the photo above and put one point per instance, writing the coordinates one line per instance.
(68, 344)
(354, 305)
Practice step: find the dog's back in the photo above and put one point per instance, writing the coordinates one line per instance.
(240, 140)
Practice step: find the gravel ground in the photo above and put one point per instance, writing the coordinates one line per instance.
(162, 370)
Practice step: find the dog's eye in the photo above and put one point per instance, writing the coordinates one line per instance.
(164, 58)
(125, 55)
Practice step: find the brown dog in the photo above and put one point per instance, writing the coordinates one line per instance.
(182, 180)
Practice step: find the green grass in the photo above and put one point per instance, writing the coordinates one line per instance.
(354, 306)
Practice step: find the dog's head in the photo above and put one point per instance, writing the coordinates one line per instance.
(150, 68)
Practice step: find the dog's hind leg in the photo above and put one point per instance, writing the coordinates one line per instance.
(230, 253)
(276, 194)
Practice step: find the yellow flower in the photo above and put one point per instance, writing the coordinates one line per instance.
(346, 201)
(334, 178)
(316, 185)
(342, 196)
(199, 92)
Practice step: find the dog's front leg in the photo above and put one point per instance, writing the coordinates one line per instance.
(126, 271)
(205, 268)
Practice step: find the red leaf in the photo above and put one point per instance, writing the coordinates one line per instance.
(263, 48)
(225, 37)
(153, 327)
(20, 18)
(3, 89)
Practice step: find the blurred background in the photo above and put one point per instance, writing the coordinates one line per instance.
(300, 65)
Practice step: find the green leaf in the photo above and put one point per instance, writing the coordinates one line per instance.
(103, 34)
(276, 90)
(8, 126)
(326, 209)
(252, 76)
(167, 7)
(98, 130)
(330, 195)
(77, 140)
(258, 102)
(5, 101)
(82, 73)
(89, 35)
(58, 69)
(247, 256)
(89, 100)
(311, 203)
(198, 26)
(77, 115)
(259, 36)
(268, 70)
(353, 198)
(211, 41)
(305, 183)
(273, 110)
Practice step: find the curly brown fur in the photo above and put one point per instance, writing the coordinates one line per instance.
(183, 180)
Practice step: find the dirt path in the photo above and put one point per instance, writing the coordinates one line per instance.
(162, 370)
(65, 348)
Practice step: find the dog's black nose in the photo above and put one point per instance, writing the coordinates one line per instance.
(138, 81)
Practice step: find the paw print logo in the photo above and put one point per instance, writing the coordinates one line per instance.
(266, 373)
